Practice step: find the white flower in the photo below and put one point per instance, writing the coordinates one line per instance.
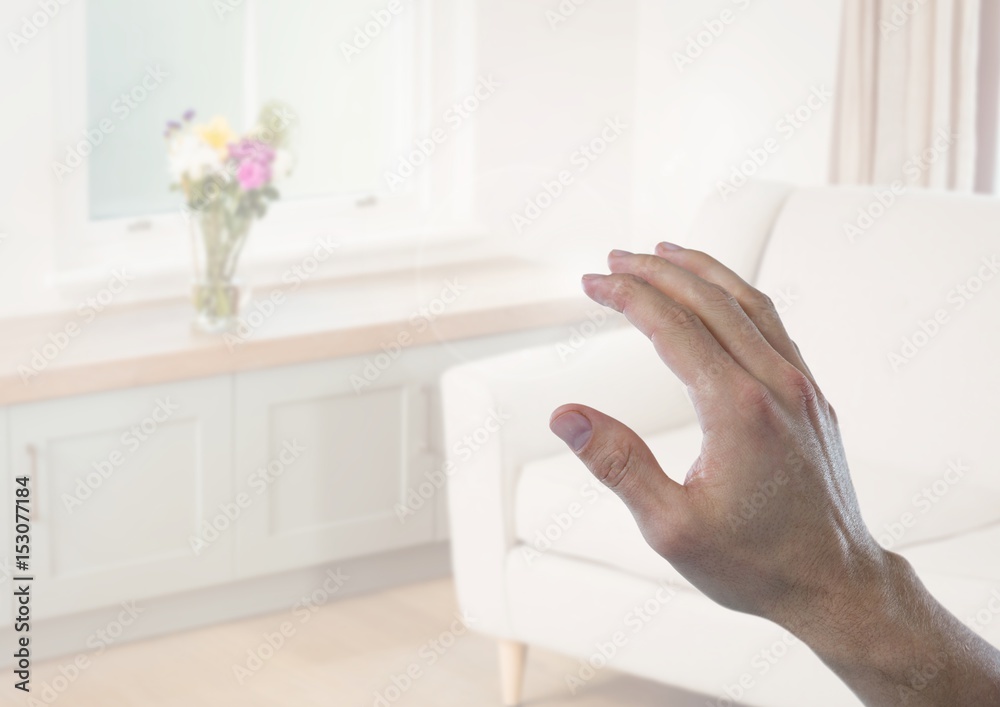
(283, 163)
(188, 155)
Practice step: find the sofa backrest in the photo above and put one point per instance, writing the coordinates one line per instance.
(894, 299)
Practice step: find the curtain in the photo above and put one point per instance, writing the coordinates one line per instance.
(906, 107)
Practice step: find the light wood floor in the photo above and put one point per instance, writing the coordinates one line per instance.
(341, 656)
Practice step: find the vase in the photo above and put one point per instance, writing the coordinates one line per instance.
(216, 305)
(216, 293)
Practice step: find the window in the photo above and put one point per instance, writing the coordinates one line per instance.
(353, 76)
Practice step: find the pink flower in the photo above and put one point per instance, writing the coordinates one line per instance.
(251, 149)
(253, 174)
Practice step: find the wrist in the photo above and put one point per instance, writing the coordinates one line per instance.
(879, 625)
(860, 602)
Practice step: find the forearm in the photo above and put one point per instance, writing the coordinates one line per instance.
(894, 644)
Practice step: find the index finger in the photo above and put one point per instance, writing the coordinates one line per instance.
(679, 336)
(758, 306)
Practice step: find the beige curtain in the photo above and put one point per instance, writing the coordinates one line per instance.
(907, 93)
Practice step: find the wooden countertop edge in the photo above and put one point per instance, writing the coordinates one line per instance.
(212, 360)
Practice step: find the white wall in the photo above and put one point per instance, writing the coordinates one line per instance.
(26, 150)
(698, 121)
(565, 75)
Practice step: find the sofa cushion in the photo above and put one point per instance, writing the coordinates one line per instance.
(561, 508)
(971, 555)
(898, 323)
(906, 508)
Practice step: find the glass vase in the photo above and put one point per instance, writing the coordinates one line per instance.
(217, 295)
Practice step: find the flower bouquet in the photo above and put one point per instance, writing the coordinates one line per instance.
(227, 181)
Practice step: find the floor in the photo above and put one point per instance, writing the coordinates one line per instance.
(345, 653)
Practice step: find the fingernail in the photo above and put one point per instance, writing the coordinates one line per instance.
(619, 253)
(572, 428)
(591, 276)
(668, 246)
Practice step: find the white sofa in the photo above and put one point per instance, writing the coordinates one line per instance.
(544, 556)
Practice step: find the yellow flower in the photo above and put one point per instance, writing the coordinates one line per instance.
(216, 133)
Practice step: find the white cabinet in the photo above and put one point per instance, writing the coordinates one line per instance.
(122, 481)
(322, 469)
(151, 491)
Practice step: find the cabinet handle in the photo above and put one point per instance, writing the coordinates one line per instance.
(36, 501)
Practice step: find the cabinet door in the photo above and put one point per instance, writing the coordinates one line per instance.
(123, 483)
(323, 470)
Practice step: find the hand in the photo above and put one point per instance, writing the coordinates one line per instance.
(766, 521)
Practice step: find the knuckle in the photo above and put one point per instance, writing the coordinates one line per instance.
(613, 465)
(754, 397)
(766, 303)
(718, 296)
(624, 287)
(677, 315)
(644, 264)
(627, 282)
(761, 301)
(798, 385)
(762, 307)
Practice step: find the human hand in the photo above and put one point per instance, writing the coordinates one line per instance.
(766, 521)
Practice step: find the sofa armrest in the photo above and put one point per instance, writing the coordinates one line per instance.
(496, 414)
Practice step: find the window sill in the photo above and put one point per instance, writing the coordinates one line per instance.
(153, 342)
(168, 273)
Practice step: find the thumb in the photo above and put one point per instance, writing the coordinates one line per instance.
(620, 460)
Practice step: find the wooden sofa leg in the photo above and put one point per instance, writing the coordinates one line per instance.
(512, 659)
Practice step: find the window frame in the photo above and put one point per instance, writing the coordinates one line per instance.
(439, 62)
